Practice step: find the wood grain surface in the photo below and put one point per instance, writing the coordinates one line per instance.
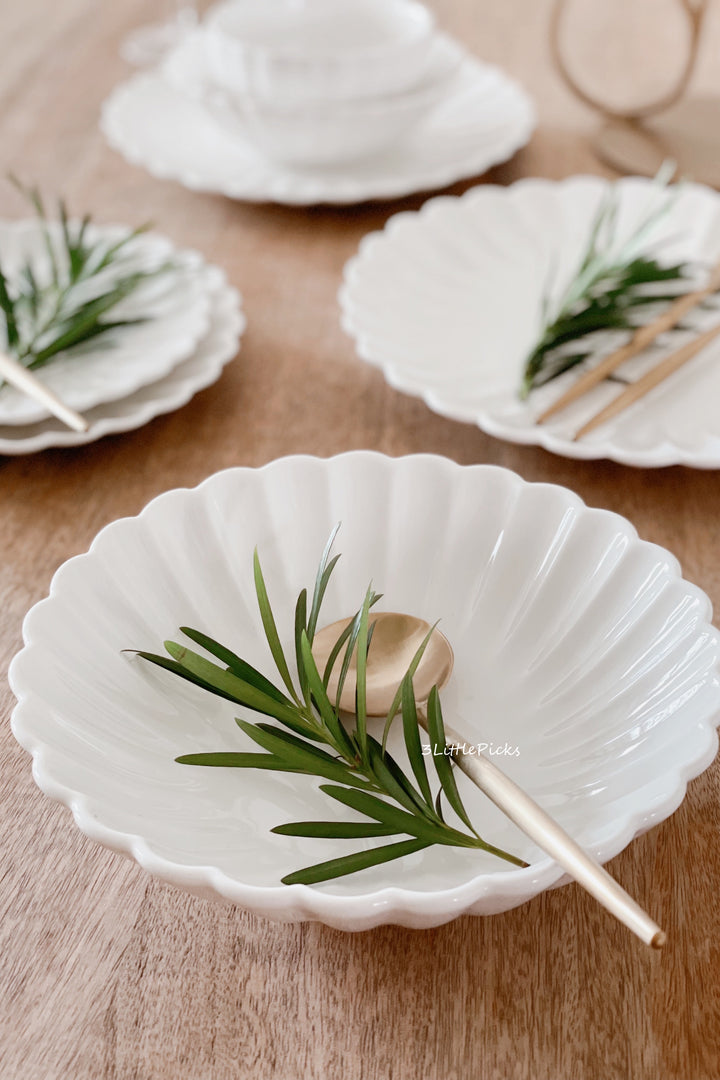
(105, 973)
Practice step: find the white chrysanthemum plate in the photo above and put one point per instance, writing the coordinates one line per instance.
(202, 368)
(448, 302)
(172, 310)
(574, 641)
(484, 119)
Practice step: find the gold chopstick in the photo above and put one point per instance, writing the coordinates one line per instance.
(24, 380)
(649, 381)
(640, 340)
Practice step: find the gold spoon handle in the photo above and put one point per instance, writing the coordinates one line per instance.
(554, 841)
(24, 380)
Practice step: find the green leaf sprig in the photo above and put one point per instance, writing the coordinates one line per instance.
(617, 286)
(310, 736)
(88, 278)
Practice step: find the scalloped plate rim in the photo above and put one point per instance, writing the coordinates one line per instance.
(389, 904)
(662, 455)
(291, 188)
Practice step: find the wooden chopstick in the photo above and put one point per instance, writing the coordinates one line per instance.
(649, 381)
(640, 340)
(28, 383)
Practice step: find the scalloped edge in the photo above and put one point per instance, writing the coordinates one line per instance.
(662, 455)
(294, 189)
(482, 895)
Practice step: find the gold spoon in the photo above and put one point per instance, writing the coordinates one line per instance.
(395, 641)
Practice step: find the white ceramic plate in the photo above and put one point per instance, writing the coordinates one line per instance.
(483, 120)
(218, 346)
(574, 641)
(174, 307)
(448, 302)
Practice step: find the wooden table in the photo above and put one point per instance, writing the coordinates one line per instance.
(105, 973)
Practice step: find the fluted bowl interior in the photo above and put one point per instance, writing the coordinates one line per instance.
(575, 643)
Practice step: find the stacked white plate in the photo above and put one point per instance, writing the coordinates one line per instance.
(318, 103)
(186, 326)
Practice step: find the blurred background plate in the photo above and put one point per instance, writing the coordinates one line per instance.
(172, 309)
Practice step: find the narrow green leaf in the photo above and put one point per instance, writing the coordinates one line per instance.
(32, 194)
(351, 864)
(412, 668)
(234, 663)
(322, 578)
(333, 830)
(337, 648)
(393, 780)
(436, 730)
(300, 758)
(300, 627)
(63, 217)
(232, 760)
(268, 621)
(30, 289)
(227, 685)
(400, 820)
(8, 308)
(328, 715)
(361, 677)
(335, 652)
(43, 356)
(321, 589)
(84, 322)
(295, 740)
(179, 670)
(413, 745)
(113, 250)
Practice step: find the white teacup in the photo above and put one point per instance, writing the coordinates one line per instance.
(289, 51)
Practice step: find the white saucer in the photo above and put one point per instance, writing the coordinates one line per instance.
(202, 368)
(483, 120)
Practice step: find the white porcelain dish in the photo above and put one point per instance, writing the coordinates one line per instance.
(289, 52)
(173, 307)
(574, 641)
(160, 122)
(335, 131)
(448, 302)
(202, 368)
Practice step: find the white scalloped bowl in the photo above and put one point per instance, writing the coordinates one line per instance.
(574, 641)
(448, 302)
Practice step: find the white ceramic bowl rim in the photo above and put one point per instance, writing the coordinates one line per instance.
(419, 23)
(373, 907)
